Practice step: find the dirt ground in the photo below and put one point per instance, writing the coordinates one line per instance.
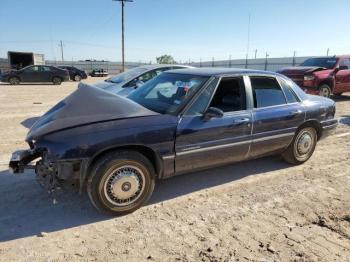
(262, 210)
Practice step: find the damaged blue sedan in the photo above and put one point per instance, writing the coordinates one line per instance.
(181, 121)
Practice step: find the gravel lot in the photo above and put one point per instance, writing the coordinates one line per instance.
(262, 210)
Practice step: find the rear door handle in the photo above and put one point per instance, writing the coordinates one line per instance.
(296, 112)
(241, 121)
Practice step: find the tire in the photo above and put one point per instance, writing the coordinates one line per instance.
(56, 80)
(14, 80)
(325, 90)
(123, 195)
(302, 146)
(77, 78)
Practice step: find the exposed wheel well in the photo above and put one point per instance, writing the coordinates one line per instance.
(146, 151)
(315, 124)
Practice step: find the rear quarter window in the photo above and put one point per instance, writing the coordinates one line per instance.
(288, 91)
(267, 92)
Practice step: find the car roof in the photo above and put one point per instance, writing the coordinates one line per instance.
(157, 66)
(210, 71)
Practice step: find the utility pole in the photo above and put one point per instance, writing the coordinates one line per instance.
(123, 54)
(294, 54)
(61, 45)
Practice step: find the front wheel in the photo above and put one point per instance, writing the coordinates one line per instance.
(302, 147)
(325, 91)
(121, 182)
(14, 80)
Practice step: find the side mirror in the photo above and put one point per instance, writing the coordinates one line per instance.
(139, 83)
(213, 112)
(343, 67)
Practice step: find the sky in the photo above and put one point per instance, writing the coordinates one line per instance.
(186, 29)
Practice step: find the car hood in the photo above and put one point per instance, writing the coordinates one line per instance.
(86, 105)
(300, 70)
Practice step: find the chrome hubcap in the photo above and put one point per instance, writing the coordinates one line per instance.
(124, 185)
(304, 144)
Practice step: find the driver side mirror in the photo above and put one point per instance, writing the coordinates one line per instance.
(213, 112)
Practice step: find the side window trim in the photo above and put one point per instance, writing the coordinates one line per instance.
(194, 99)
(279, 79)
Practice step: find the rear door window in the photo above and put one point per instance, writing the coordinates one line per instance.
(267, 92)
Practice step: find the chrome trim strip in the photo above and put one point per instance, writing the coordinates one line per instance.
(212, 148)
(168, 157)
(190, 151)
(273, 137)
(330, 126)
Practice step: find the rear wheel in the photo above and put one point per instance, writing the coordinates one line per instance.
(56, 80)
(121, 182)
(302, 147)
(14, 80)
(77, 78)
(325, 90)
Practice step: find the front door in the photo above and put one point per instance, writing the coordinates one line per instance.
(277, 114)
(342, 77)
(201, 142)
(30, 74)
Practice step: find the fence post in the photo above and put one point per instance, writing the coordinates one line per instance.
(294, 58)
(246, 61)
(213, 62)
(267, 55)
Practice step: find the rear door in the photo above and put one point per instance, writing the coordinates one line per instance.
(46, 74)
(202, 143)
(342, 77)
(277, 114)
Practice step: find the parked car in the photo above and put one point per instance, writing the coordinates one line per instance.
(75, 74)
(181, 121)
(123, 84)
(323, 76)
(36, 74)
(99, 73)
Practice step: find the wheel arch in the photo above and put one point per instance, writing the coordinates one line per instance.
(328, 82)
(148, 152)
(315, 124)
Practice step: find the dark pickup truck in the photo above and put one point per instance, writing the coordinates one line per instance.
(323, 76)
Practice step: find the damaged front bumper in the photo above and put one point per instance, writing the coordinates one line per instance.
(49, 173)
(20, 160)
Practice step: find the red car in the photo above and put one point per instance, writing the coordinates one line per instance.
(322, 76)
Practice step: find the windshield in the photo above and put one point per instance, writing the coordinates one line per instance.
(167, 92)
(328, 63)
(126, 76)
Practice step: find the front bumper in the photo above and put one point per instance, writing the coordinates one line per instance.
(310, 91)
(20, 160)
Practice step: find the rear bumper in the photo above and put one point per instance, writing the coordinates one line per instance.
(329, 127)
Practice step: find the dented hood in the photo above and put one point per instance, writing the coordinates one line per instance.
(300, 69)
(86, 105)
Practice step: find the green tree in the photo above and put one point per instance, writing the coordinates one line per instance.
(166, 59)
